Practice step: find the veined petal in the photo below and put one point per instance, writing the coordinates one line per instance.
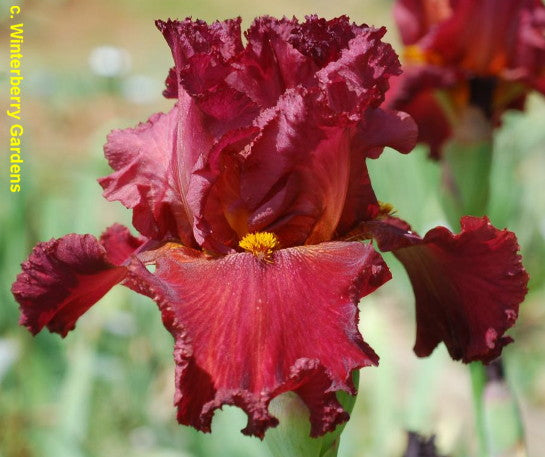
(144, 179)
(468, 287)
(64, 277)
(247, 330)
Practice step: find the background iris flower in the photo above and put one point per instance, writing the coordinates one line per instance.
(485, 53)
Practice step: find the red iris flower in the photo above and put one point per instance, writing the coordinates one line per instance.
(485, 53)
(246, 195)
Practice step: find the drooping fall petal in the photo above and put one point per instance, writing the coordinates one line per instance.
(64, 277)
(468, 286)
(247, 330)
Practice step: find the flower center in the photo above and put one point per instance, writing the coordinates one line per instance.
(260, 244)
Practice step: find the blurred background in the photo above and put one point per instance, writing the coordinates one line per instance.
(107, 389)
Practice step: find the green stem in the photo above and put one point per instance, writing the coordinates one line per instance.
(478, 382)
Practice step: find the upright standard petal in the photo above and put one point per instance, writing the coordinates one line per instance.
(188, 38)
(64, 277)
(468, 287)
(359, 78)
(204, 56)
(249, 329)
(294, 192)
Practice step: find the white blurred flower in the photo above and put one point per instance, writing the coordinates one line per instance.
(109, 61)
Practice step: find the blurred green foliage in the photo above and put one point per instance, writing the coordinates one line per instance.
(107, 388)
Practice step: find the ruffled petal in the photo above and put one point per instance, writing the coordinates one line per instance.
(188, 38)
(247, 330)
(62, 278)
(144, 179)
(270, 64)
(323, 40)
(203, 56)
(468, 287)
(359, 78)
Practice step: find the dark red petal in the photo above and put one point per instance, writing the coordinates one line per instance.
(225, 107)
(171, 84)
(361, 203)
(248, 330)
(63, 278)
(468, 287)
(221, 40)
(323, 40)
(359, 78)
(212, 227)
(145, 178)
